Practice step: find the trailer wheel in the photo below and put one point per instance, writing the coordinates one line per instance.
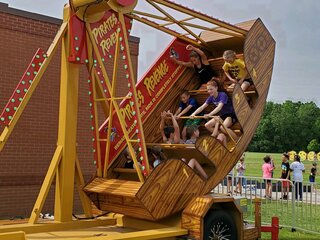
(219, 225)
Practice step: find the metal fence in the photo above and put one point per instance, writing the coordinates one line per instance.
(296, 212)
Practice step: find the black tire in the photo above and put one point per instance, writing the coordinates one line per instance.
(219, 225)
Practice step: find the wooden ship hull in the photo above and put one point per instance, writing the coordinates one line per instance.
(172, 185)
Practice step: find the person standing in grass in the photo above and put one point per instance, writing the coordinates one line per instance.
(313, 173)
(230, 177)
(285, 174)
(241, 168)
(297, 169)
(267, 170)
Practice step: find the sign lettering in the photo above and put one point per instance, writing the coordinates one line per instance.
(152, 81)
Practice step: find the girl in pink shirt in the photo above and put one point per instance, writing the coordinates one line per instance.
(267, 169)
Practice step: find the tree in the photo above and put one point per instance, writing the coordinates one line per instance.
(313, 146)
(287, 126)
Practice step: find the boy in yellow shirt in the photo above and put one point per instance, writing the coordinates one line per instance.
(235, 70)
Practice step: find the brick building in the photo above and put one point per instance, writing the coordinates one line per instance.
(26, 156)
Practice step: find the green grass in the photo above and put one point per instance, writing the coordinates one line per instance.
(284, 212)
(286, 234)
(254, 162)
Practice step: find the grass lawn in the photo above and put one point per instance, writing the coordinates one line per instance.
(286, 234)
(284, 212)
(254, 162)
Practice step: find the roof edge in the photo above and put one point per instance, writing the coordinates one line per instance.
(4, 8)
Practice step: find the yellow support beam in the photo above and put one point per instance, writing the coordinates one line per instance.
(46, 185)
(173, 21)
(177, 22)
(200, 16)
(164, 29)
(150, 15)
(112, 94)
(101, 94)
(85, 201)
(67, 133)
(56, 226)
(95, 80)
(109, 99)
(161, 233)
(50, 53)
(135, 95)
(186, 24)
(13, 236)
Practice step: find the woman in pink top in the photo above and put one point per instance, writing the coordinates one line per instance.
(267, 169)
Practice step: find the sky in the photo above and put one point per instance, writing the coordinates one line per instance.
(295, 26)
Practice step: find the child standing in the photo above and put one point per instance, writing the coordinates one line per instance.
(313, 173)
(285, 174)
(235, 70)
(187, 106)
(230, 178)
(241, 168)
(267, 175)
(225, 110)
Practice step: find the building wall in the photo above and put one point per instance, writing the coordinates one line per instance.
(27, 154)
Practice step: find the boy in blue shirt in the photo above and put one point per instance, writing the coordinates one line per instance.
(187, 106)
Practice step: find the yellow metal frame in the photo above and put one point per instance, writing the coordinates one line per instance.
(225, 28)
(57, 226)
(13, 236)
(97, 90)
(113, 93)
(113, 103)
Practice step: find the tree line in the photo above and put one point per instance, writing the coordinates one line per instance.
(288, 126)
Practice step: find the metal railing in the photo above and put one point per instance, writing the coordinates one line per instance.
(293, 212)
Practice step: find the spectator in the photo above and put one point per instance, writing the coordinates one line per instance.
(230, 182)
(313, 173)
(241, 168)
(297, 168)
(267, 175)
(285, 174)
